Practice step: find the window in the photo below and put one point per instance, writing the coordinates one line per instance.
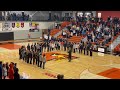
(99, 15)
(71, 14)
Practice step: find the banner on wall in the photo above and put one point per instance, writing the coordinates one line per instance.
(22, 24)
(13, 25)
(17, 24)
(6, 26)
(34, 27)
(0, 26)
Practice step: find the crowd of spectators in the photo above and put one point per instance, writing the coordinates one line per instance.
(9, 71)
(15, 17)
(103, 30)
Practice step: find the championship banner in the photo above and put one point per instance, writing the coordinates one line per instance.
(34, 26)
(22, 25)
(13, 25)
(17, 24)
(6, 26)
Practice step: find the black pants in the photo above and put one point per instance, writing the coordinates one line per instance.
(26, 59)
(48, 49)
(40, 64)
(74, 50)
(90, 53)
(23, 58)
(52, 49)
(64, 48)
(30, 60)
(58, 47)
(43, 65)
(33, 61)
(79, 50)
(69, 58)
(87, 52)
(20, 56)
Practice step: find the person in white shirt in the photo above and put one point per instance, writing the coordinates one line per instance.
(74, 46)
(50, 46)
(71, 33)
(4, 71)
(53, 46)
(74, 32)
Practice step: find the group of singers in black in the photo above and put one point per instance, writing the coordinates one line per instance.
(32, 54)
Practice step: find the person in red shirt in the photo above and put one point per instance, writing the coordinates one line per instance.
(11, 72)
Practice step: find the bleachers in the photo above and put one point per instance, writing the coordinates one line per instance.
(55, 31)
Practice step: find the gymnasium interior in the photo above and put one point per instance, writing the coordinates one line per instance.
(92, 38)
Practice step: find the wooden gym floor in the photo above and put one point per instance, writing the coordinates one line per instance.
(81, 67)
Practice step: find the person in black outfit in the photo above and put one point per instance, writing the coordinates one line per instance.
(0, 69)
(48, 47)
(84, 49)
(58, 46)
(16, 74)
(40, 60)
(35, 47)
(81, 48)
(65, 45)
(32, 47)
(30, 57)
(15, 67)
(20, 55)
(34, 57)
(87, 48)
(91, 51)
(28, 47)
(27, 56)
(69, 54)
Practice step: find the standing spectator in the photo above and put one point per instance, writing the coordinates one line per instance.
(11, 72)
(4, 71)
(40, 59)
(28, 47)
(16, 74)
(0, 69)
(44, 61)
(7, 67)
(20, 55)
(15, 67)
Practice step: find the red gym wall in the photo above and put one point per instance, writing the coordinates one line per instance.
(105, 14)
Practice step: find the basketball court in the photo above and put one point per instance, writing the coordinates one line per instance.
(81, 66)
